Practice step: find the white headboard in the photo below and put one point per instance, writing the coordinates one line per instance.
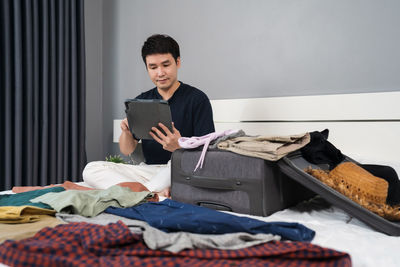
(365, 126)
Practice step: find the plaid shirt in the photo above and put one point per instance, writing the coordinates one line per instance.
(83, 244)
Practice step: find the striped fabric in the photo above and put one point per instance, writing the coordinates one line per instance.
(83, 244)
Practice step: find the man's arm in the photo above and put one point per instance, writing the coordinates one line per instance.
(127, 144)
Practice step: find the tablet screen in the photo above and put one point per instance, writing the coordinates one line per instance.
(143, 114)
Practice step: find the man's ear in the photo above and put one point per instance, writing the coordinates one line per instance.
(178, 62)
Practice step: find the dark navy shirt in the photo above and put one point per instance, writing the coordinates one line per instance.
(191, 113)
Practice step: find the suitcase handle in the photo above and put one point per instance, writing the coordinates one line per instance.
(213, 205)
(214, 183)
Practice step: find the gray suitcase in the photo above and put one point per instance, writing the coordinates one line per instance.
(233, 182)
(254, 186)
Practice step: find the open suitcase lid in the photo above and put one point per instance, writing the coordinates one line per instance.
(293, 166)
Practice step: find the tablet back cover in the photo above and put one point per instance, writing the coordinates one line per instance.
(143, 114)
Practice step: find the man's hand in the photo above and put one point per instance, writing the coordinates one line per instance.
(124, 125)
(127, 144)
(168, 139)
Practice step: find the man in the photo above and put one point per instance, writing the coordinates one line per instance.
(191, 114)
(190, 108)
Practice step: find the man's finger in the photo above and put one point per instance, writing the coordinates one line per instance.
(155, 137)
(124, 124)
(165, 128)
(158, 132)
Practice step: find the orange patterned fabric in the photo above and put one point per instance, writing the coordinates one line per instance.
(67, 186)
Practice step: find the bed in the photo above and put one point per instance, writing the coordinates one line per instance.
(363, 126)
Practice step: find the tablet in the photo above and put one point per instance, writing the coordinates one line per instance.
(143, 114)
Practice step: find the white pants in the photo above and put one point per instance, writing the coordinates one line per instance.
(103, 174)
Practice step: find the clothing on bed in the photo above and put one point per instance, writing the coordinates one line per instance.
(82, 244)
(22, 214)
(23, 199)
(191, 113)
(270, 148)
(104, 174)
(90, 203)
(177, 241)
(25, 230)
(172, 216)
(67, 185)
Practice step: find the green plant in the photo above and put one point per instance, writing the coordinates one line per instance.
(115, 159)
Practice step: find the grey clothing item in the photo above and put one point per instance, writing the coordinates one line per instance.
(175, 242)
(91, 203)
(270, 148)
(214, 143)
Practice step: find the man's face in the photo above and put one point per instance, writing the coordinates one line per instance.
(163, 70)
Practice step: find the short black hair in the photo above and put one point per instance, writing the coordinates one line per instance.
(160, 44)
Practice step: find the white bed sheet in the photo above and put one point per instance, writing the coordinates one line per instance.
(337, 230)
